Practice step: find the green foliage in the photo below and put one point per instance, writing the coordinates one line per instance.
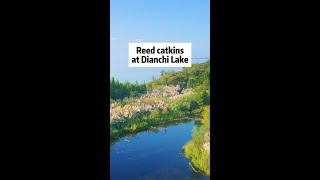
(186, 106)
(134, 127)
(143, 121)
(198, 74)
(199, 157)
(189, 104)
(194, 151)
(120, 90)
(155, 115)
(206, 117)
(196, 77)
(202, 98)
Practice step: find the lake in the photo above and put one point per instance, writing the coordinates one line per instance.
(154, 154)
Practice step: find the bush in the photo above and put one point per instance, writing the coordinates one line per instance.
(199, 157)
(194, 151)
(206, 117)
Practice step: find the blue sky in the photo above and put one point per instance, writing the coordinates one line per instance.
(156, 21)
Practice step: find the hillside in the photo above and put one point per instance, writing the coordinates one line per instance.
(193, 77)
(189, 89)
(173, 96)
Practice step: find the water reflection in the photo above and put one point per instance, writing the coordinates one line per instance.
(154, 153)
(155, 129)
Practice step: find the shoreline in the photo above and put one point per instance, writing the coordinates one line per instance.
(141, 129)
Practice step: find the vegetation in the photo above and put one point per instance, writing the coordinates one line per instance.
(120, 90)
(194, 150)
(180, 108)
(142, 111)
(197, 76)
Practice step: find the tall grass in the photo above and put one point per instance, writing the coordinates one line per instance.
(194, 151)
(182, 107)
(143, 121)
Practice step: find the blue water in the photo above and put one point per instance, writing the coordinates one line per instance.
(153, 155)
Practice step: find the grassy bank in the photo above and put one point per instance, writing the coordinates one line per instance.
(145, 121)
(154, 128)
(181, 108)
(194, 151)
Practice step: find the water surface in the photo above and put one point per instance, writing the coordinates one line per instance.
(153, 155)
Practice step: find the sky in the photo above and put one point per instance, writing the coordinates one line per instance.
(175, 21)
